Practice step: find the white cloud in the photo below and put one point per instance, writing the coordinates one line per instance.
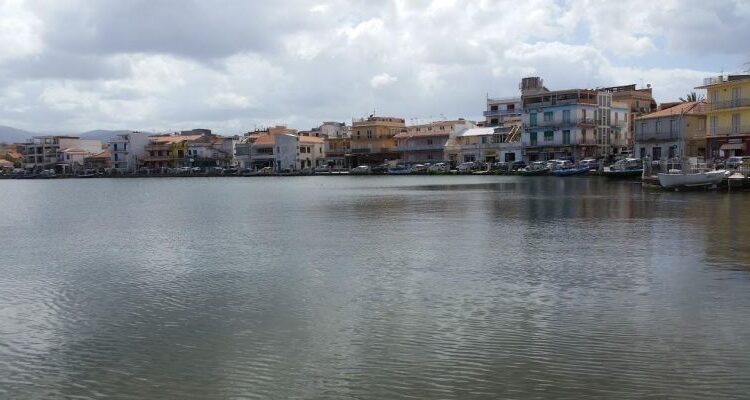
(75, 65)
(383, 79)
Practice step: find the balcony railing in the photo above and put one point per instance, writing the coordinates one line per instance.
(426, 147)
(729, 130)
(552, 125)
(498, 113)
(735, 103)
(655, 137)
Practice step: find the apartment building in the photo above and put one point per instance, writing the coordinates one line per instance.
(674, 131)
(639, 102)
(425, 143)
(373, 140)
(572, 123)
(127, 151)
(46, 152)
(727, 115)
(503, 111)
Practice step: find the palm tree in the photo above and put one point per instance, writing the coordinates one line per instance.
(692, 96)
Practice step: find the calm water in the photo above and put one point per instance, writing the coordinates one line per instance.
(371, 287)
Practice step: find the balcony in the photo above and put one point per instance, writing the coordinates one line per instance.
(425, 147)
(499, 113)
(735, 103)
(729, 130)
(554, 125)
(656, 137)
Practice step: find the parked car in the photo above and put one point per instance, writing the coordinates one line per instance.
(439, 168)
(465, 167)
(516, 165)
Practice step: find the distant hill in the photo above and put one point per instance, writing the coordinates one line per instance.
(101, 134)
(12, 135)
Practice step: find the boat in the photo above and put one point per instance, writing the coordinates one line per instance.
(536, 169)
(361, 170)
(625, 168)
(579, 170)
(677, 178)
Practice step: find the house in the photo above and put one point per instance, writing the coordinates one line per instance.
(727, 115)
(485, 144)
(128, 151)
(211, 151)
(676, 131)
(6, 165)
(98, 162)
(287, 152)
(571, 123)
(424, 143)
(373, 140)
(44, 152)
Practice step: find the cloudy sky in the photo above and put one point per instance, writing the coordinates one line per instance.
(76, 65)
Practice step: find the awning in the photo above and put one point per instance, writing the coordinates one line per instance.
(732, 146)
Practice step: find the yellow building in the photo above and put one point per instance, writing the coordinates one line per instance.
(728, 115)
(373, 141)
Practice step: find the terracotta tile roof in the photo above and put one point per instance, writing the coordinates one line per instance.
(310, 139)
(265, 140)
(72, 150)
(104, 154)
(174, 138)
(690, 107)
(5, 163)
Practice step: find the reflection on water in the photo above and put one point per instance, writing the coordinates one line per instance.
(371, 287)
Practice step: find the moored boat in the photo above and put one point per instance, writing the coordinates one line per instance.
(678, 178)
(536, 169)
(626, 168)
(360, 170)
(579, 170)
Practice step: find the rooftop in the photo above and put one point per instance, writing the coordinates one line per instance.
(690, 107)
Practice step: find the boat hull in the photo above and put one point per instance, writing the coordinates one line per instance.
(571, 171)
(630, 173)
(537, 172)
(691, 180)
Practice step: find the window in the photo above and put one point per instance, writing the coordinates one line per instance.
(643, 152)
(736, 97)
(658, 126)
(566, 116)
(115, 146)
(369, 134)
(493, 108)
(510, 107)
(125, 146)
(429, 141)
(566, 137)
(584, 114)
(484, 139)
(714, 124)
(466, 140)
(548, 116)
(549, 136)
(673, 126)
(532, 138)
(532, 119)
(735, 123)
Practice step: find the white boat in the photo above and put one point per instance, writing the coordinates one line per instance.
(360, 170)
(677, 178)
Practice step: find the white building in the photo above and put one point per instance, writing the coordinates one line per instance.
(486, 144)
(45, 152)
(287, 152)
(127, 150)
(425, 143)
(503, 111)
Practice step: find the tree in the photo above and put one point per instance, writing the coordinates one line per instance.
(692, 96)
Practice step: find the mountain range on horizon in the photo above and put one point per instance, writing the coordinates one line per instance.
(10, 134)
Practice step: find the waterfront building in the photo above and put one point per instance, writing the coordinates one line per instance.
(639, 102)
(674, 131)
(337, 136)
(727, 115)
(210, 151)
(503, 111)
(45, 152)
(486, 144)
(98, 162)
(373, 140)
(425, 143)
(127, 151)
(572, 123)
(168, 150)
(286, 152)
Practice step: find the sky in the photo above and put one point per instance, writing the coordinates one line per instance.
(233, 66)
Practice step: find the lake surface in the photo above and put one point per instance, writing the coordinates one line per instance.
(371, 287)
